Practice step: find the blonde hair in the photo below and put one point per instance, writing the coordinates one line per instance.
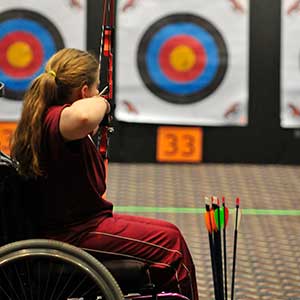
(66, 70)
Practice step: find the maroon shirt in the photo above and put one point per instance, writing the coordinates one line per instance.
(71, 191)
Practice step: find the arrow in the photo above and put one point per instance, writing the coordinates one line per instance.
(218, 247)
(209, 226)
(236, 227)
(225, 221)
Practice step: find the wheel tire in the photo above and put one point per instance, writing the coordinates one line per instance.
(26, 250)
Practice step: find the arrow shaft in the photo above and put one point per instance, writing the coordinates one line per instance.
(234, 251)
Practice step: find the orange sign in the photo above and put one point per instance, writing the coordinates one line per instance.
(179, 144)
(6, 131)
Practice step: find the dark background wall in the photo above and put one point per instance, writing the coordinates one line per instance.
(262, 141)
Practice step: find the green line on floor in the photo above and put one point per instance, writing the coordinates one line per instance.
(191, 210)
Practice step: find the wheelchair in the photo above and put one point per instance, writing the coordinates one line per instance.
(41, 269)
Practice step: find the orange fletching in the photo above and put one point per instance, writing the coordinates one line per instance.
(213, 222)
(207, 221)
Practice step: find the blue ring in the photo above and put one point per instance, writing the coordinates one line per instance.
(189, 87)
(41, 34)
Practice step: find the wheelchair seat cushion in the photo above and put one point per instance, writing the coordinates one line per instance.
(132, 275)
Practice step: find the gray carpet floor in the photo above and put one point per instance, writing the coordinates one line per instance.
(268, 252)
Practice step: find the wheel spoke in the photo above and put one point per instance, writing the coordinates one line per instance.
(52, 270)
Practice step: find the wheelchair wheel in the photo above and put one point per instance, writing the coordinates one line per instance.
(41, 269)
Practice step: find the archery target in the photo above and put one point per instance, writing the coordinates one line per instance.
(27, 40)
(290, 73)
(182, 58)
(186, 64)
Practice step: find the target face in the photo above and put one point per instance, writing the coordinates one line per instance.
(182, 58)
(27, 41)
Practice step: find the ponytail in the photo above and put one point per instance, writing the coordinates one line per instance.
(26, 140)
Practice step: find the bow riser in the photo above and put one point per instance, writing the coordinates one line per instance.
(106, 49)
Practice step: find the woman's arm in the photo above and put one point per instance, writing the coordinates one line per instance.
(82, 117)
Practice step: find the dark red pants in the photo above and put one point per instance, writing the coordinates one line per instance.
(157, 242)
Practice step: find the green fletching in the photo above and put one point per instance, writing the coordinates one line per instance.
(221, 217)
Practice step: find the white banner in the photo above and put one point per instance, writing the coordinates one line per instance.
(182, 62)
(290, 64)
(30, 32)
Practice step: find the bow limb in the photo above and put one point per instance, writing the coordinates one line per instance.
(106, 58)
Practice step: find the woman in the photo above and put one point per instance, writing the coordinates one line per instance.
(53, 145)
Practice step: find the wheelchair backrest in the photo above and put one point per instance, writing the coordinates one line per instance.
(15, 212)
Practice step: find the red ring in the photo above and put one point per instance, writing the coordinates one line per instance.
(35, 46)
(182, 76)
